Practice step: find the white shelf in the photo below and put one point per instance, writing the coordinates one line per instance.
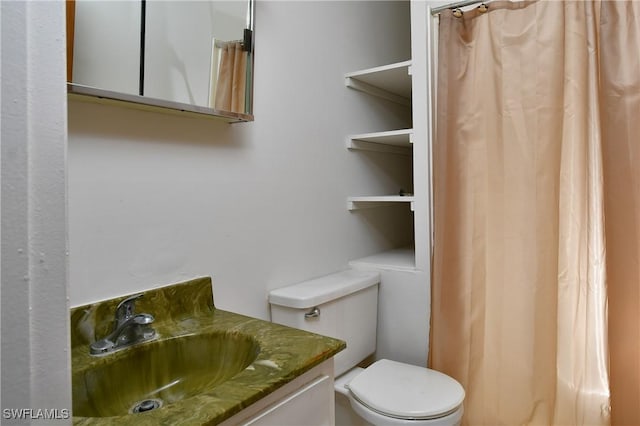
(107, 97)
(393, 141)
(402, 259)
(391, 82)
(366, 202)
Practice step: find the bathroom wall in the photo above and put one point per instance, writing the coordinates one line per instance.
(156, 198)
(35, 367)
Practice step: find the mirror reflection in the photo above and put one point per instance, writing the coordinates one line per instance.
(196, 53)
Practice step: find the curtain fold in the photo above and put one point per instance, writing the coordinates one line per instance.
(232, 77)
(620, 112)
(519, 303)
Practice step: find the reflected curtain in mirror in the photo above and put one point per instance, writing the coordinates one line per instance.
(231, 83)
(70, 24)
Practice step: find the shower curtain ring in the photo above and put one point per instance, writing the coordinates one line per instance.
(457, 13)
(483, 8)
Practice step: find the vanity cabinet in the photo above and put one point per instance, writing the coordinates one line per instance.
(308, 400)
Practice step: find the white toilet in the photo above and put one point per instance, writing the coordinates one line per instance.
(344, 305)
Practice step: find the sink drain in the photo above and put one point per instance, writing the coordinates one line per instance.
(146, 405)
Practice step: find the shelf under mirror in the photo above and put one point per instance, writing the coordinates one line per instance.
(92, 94)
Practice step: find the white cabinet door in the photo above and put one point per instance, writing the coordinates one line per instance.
(311, 405)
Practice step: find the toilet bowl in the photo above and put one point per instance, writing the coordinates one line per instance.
(344, 305)
(393, 393)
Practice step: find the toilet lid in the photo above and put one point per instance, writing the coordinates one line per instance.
(406, 391)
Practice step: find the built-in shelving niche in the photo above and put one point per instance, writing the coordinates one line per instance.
(393, 83)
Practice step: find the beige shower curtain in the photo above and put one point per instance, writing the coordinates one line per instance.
(232, 78)
(530, 96)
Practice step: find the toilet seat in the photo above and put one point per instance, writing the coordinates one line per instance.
(377, 419)
(406, 392)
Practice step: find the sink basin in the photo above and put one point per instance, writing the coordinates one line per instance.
(206, 366)
(157, 374)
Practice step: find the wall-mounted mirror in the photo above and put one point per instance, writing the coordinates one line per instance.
(192, 56)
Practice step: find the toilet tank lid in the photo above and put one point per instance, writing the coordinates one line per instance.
(317, 291)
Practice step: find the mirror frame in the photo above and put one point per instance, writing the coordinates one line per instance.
(90, 93)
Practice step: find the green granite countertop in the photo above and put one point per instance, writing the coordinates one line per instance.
(184, 310)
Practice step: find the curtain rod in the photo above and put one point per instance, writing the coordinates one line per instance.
(437, 10)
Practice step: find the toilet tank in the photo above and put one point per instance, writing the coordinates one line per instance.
(347, 309)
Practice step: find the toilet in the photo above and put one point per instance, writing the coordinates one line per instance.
(344, 305)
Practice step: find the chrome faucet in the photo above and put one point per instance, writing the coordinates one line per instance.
(129, 329)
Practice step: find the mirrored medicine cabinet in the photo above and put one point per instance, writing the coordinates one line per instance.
(192, 56)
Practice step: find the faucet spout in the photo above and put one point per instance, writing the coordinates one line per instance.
(129, 329)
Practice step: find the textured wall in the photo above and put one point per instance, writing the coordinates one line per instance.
(34, 307)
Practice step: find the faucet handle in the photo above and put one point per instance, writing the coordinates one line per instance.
(143, 319)
(127, 308)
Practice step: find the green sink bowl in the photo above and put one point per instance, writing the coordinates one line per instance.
(165, 371)
(206, 366)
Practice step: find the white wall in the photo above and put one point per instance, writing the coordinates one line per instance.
(156, 199)
(34, 352)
